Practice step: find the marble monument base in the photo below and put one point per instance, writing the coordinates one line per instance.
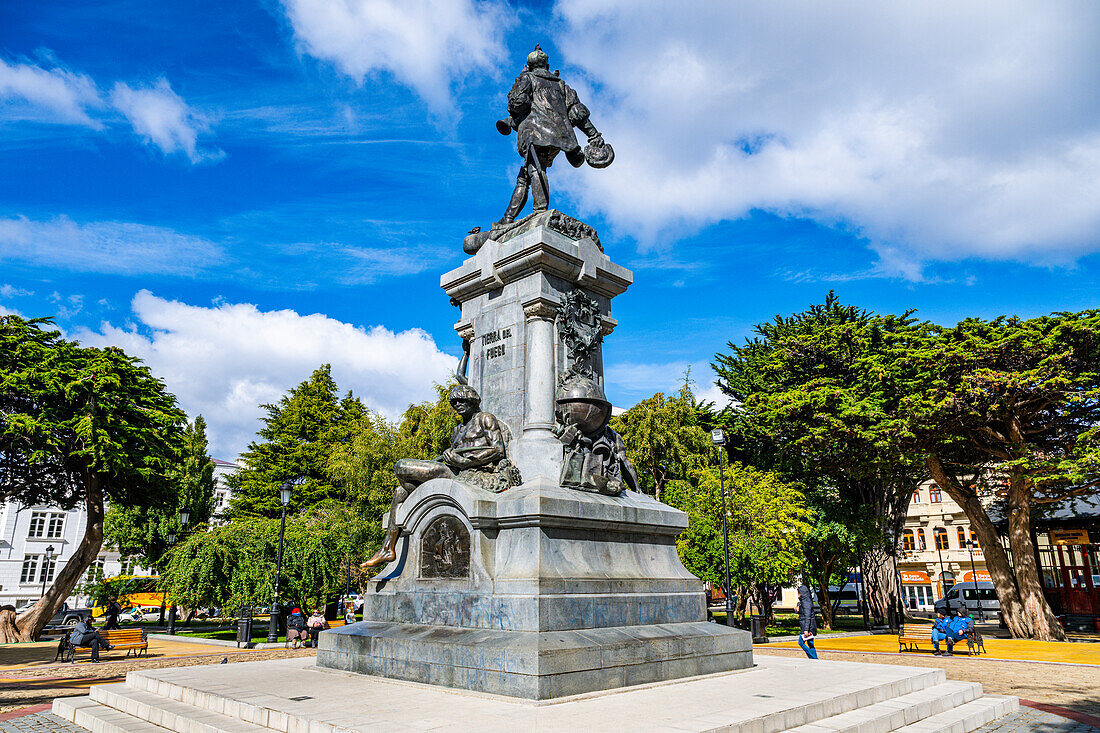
(539, 592)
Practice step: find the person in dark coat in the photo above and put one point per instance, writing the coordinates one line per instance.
(84, 634)
(112, 613)
(807, 623)
(296, 631)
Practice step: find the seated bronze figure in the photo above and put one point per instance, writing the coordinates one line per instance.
(478, 455)
(595, 456)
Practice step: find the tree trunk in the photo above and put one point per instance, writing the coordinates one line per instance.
(29, 626)
(1043, 624)
(996, 561)
(8, 629)
(827, 614)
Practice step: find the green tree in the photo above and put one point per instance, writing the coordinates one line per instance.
(141, 532)
(78, 426)
(1022, 396)
(297, 437)
(665, 438)
(767, 520)
(234, 564)
(813, 388)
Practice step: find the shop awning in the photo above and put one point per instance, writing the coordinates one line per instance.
(914, 577)
(983, 577)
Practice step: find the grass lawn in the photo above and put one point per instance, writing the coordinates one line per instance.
(787, 624)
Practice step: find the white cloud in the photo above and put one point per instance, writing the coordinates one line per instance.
(10, 291)
(425, 44)
(223, 361)
(53, 95)
(163, 118)
(937, 130)
(106, 246)
(10, 312)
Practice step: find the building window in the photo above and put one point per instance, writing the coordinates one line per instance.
(935, 496)
(30, 569)
(916, 497)
(962, 536)
(941, 538)
(36, 569)
(908, 543)
(921, 544)
(47, 525)
(95, 571)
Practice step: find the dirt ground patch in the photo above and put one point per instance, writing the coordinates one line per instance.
(40, 685)
(1075, 687)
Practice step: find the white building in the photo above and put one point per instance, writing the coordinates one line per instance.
(27, 534)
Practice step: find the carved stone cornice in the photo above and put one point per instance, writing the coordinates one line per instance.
(541, 309)
(607, 325)
(465, 330)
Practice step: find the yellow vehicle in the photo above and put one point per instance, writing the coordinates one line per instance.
(142, 591)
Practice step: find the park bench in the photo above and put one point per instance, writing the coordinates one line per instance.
(134, 641)
(913, 634)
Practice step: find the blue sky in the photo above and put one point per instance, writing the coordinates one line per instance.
(239, 191)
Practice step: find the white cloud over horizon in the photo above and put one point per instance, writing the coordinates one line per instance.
(105, 247)
(223, 361)
(936, 131)
(427, 45)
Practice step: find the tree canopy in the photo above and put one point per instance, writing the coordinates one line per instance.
(298, 434)
(79, 426)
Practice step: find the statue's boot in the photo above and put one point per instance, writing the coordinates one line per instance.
(388, 553)
(540, 187)
(519, 198)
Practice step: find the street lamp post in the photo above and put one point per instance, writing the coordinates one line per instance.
(718, 437)
(185, 517)
(273, 622)
(47, 562)
(974, 577)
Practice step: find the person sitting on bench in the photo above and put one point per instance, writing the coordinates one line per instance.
(84, 634)
(941, 631)
(961, 625)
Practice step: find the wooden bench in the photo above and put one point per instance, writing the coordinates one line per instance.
(913, 634)
(134, 641)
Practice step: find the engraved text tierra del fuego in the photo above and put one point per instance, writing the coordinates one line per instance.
(495, 337)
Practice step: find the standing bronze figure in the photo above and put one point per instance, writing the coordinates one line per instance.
(543, 111)
(478, 455)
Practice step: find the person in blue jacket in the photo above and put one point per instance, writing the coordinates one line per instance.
(961, 625)
(941, 631)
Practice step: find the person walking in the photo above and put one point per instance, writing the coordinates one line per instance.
(84, 634)
(807, 623)
(112, 614)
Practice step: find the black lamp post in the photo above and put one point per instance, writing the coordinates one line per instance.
(185, 517)
(718, 437)
(47, 561)
(974, 577)
(273, 622)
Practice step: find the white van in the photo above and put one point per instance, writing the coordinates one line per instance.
(972, 595)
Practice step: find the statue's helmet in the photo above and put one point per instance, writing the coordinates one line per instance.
(581, 401)
(463, 392)
(538, 59)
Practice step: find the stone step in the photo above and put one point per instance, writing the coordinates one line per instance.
(966, 718)
(98, 718)
(169, 714)
(897, 712)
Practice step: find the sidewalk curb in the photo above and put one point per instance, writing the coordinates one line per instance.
(841, 635)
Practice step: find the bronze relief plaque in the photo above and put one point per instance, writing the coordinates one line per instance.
(445, 549)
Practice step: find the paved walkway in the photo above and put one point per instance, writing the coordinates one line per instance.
(41, 653)
(1005, 649)
(1027, 719)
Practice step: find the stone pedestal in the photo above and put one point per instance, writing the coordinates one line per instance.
(541, 591)
(510, 293)
(563, 592)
